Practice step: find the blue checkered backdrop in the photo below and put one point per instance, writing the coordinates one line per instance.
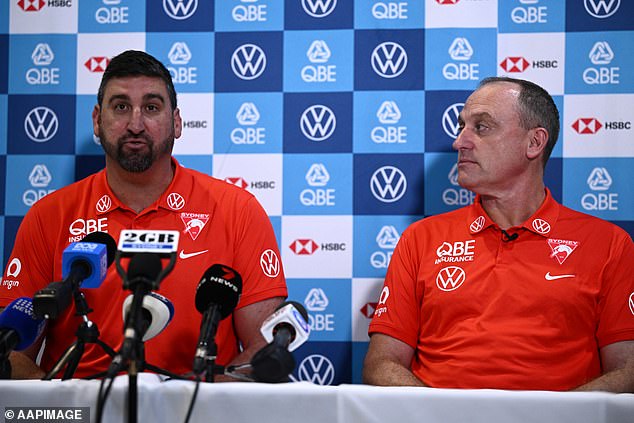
(337, 114)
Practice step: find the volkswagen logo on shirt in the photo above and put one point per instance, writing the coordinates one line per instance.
(180, 9)
(389, 59)
(41, 124)
(318, 122)
(388, 184)
(631, 302)
(450, 278)
(248, 62)
(316, 369)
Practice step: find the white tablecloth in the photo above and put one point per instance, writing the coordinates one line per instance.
(303, 402)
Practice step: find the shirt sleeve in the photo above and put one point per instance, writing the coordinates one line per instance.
(397, 313)
(616, 302)
(257, 256)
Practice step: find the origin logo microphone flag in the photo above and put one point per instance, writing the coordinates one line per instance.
(338, 116)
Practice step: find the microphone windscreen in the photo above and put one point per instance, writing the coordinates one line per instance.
(144, 265)
(105, 239)
(220, 285)
(159, 309)
(19, 316)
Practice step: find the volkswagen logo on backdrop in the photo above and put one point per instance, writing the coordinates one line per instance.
(41, 124)
(248, 62)
(601, 8)
(316, 369)
(389, 59)
(180, 9)
(388, 184)
(319, 8)
(450, 120)
(318, 122)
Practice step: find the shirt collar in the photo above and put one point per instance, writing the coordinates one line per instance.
(540, 223)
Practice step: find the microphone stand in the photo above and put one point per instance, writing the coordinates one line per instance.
(87, 333)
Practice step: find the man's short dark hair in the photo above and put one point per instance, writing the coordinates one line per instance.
(536, 109)
(136, 63)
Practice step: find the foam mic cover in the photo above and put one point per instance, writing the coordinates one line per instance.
(145, 266)
(18, 316)
(219, 285)
(157, 313)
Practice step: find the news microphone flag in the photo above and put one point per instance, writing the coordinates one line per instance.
(18, 317)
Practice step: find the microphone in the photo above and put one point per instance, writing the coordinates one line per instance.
(84, 264)
(157, 313)
(18, 330)
(507, 237)
(217, 295)
(286, 329)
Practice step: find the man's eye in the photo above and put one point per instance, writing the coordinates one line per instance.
(120, 107)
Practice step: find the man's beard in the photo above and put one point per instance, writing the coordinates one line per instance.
(138, 161)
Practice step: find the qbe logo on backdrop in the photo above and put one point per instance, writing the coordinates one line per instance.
(524, 16)
(250, 15)
(324, 123)
(324, 188)
(395, 126)
(248, 123)
(375, 238)
(42, 65)
(248, 62)
(41, 130)
(389, 60)
(388, 184)
(459, 58)
(34, 177)
(395, 14)
(318, 61)
(600, 187)
(112, 16)
(442, 191)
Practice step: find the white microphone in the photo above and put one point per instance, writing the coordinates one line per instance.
(157, 313)
(287, 325)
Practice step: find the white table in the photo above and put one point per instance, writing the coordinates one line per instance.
(305, 403)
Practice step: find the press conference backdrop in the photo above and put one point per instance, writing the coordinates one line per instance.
(337, 114)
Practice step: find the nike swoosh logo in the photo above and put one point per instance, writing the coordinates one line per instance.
(550, 277)
(185, 255)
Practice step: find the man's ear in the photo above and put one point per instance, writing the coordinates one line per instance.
(95, 120)
(538, 138)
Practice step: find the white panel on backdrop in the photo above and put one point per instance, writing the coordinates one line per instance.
(197, 112)
(537, 57)
(317, 246)
(596, 125)
(365, 297)
(34, 17)
(461, 14)
(260, 174)
(95, 50)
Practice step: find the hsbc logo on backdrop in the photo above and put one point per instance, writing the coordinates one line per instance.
(601, 8)
(590, 126)
(388, 184)
(180, 9)
(31, 5)
(450, 120)
(41, 124)
(318, 122)
(97, 64)
(447, 1)
(319, 8)
(303, 247)
(515, 64)
(389, 59)
(248, 62)
(237, 181)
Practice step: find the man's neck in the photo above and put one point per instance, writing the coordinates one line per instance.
(139, 190)
(511, 209)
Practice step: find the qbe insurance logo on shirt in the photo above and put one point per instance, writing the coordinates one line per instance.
(327, 302)
(523, 16)
(318, 184)
(598, 62)
(180, 16)
(389, 60)
(35, 176)
(600, 187)
(248, 123)
(41, 129)
(188, 58)
(42, 65)
(258, 15)
(459, 58)
(394, 124)
(318, 61)
(323, 123)
(250, 62)
(112, 16)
